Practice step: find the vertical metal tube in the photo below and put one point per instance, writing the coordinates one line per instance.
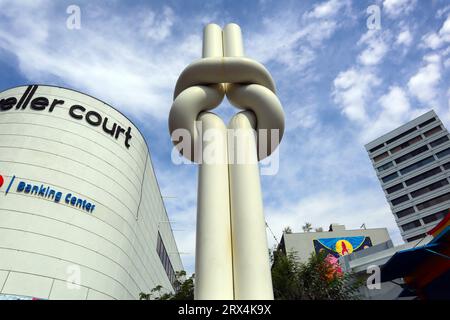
(251, 265)
(212, 41)
(233, 45)
(213, 258)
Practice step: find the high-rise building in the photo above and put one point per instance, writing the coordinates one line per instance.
(412, 164)
(81, 214)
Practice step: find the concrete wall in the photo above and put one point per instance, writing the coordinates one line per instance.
(302, 243)
(43, 243)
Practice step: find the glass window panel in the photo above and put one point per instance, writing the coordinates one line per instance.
(417, 165)
(380, 157)
(435, 216)
(399, 200)
(443, 153)
(433, 201)
(423, 176)
(411, 154)
(411, 225)
(439, 141)
(423, 124)
(376, 148)
(432, 131)
(390, 177)
(434, 186)
(385, 166)
(420, 236)
(394, 188)
(405, 212)
(404, 134)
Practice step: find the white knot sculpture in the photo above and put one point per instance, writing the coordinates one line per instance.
(232, 260)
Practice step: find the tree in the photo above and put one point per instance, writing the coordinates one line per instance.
(287, 230)
(185, 289)
(307, 227)
(319, 278)
(316, 279)
(284, 274)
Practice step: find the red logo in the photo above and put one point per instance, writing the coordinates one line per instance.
(1, 181)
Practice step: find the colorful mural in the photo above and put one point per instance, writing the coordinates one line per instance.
(341, 246)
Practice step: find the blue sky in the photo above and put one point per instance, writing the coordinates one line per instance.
(341, 85)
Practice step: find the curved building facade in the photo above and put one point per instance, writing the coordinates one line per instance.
(81, 214)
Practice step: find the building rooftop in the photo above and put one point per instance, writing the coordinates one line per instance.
(399, 130)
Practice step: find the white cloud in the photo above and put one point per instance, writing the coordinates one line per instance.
(108, 57)
(396, 8)
(404, 38)
(326, 9)
(292, 39)
(395, 103)
(441, 12)
(444, 32)
(447, 63)
(352, 89)
(432, 40)
(157, 26)
(302, 117)
(376, 47)
(435, 40)
(424, 84)
(395, 111)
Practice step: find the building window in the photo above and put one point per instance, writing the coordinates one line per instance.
(411, 154)
(434, 201)
(404, 134)
(411, 225)
(447, 166)
(394, 188)
(432, 131)
(405, 212)
(420, 236)
(389, 177)
(376, 148)
(429, 188)
(435, 216)
(443, 153)
(417, 165)
(439, 141)
(423, 124)
(406, 144)
(423, 176)
(380, 156)
(399, 200)
(165, 260)
(385, 166)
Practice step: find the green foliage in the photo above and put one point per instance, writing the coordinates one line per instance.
(287, 230)
(307, 227)
(185, 290)
(284, 276)
(315, 279)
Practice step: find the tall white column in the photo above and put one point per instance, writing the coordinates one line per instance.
(213, 259)
(232, 258)
(252, 275)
